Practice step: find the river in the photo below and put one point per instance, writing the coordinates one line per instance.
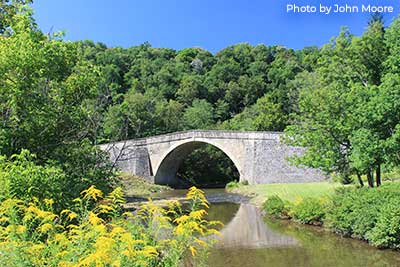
(250, 240)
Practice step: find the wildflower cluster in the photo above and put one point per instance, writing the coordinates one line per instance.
(96, 232)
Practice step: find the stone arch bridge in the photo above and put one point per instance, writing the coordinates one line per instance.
(260, 157)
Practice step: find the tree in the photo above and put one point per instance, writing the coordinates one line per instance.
(135, 117)
(170, 118)
(332, 121)
(343, 112)
(262, 116)
(191, 87)
(8, 10)
(199, 116)
(48, 106)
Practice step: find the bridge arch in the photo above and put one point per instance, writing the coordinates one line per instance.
(166, 169)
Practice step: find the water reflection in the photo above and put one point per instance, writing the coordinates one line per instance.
(248, 230)
(250, 241)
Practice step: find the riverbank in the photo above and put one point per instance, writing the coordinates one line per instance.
(369, 214)
(290, 192)
(137, 187)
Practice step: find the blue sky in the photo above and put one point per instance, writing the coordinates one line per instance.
(209, 24)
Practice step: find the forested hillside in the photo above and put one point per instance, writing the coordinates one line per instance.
(146, 91)
(60, 98)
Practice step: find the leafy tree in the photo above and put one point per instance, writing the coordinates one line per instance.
(8, 10)
(263, 116)
(337, 116)
(133, 118)
(325, 105)
(191, 87)
(171, 116)
(48, 104)
(199, 116)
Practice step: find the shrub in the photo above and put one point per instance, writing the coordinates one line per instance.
(232, 185)
(370, 214)
(308, 211)
(21, 178)
(343, 212)
(276, 207)
(386, 231)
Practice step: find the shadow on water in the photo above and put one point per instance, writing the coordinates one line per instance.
(248, 240)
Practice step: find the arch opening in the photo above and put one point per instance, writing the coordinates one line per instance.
(197, 163)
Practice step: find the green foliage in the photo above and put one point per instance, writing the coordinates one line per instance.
(235, 184)
(232, 185)
(219, 168)
(343, 112)
(134, 186)
(308, 210)
(353, 212)
(48, 103)
(200, 115)
(344, 179)
(276, 207)
(8, 10)
(265, 115)
(21, 178)
(386, 231)
(369, 214)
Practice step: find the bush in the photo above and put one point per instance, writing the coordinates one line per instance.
(370, 214)
(21, 178)
(308, 211)
(276, 207)
(386, 232)
(232, 185)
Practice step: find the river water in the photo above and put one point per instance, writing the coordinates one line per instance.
(250, 240)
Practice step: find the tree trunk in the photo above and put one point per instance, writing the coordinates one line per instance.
(378, 175)
(360, 179)
(370, 179)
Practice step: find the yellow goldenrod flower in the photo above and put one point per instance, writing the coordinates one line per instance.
(48, 202)
(193, 250)
(94, 219)
(92, 192)
(44, 228)
(198, 214)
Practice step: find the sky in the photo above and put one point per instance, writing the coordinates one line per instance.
(210, 24)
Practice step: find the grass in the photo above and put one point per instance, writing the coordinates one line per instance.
(135, 186)
(290, 192)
